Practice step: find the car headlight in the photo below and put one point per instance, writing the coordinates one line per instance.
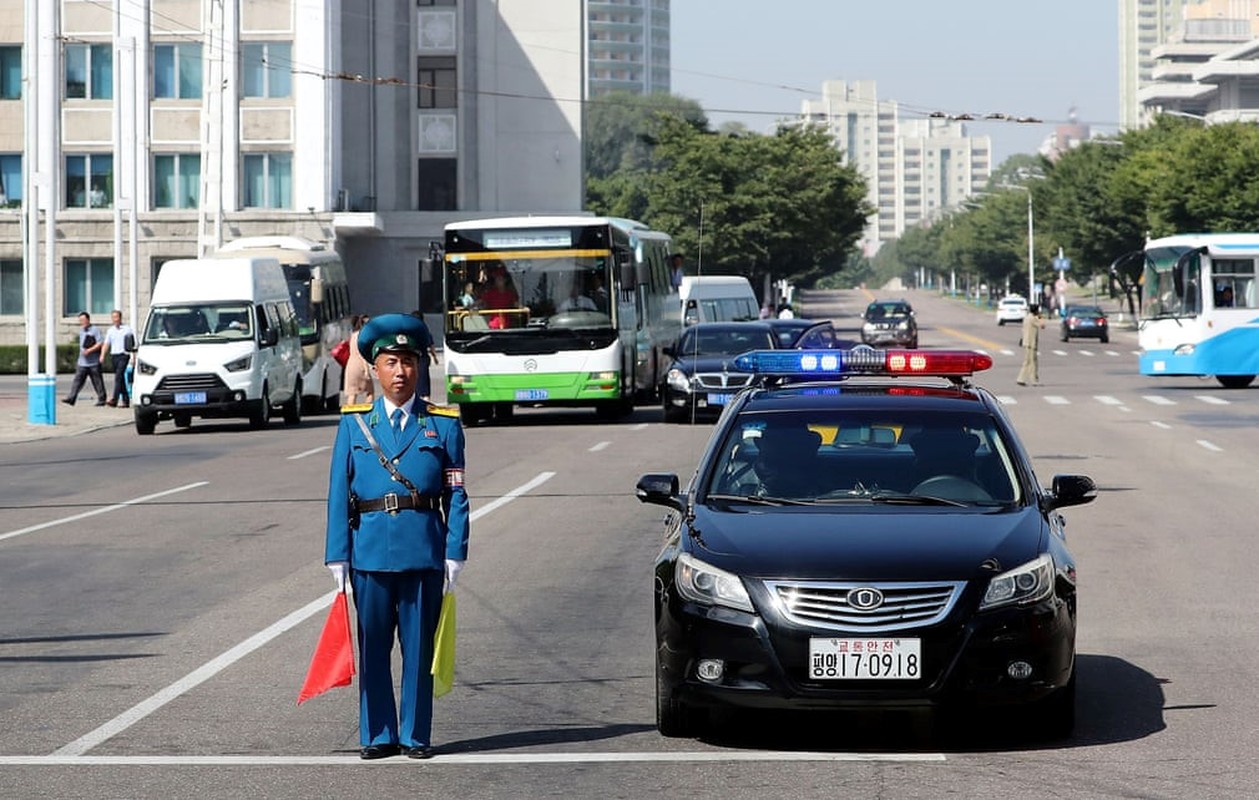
(145, 368)
(903, 326)
(239, 365)
(1029, 583)
(706, 584)
(868, 326)
(677, 379)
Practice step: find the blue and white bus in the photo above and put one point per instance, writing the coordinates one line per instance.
(555, 310)
(321, 298)
(1199, 312)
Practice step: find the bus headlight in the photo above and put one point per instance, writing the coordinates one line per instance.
(239, 365)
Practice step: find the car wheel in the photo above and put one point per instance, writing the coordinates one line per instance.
(1064, 336)
(1235, 381)
(674, 718)
(261, 413)
(146, 422)
(1105, 339)
(293, 408)
(1055, 714)
(1000, 322)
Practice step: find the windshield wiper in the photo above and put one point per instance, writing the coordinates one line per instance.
(758, 500)
(915, 500)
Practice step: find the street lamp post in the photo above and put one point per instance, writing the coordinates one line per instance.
(1031, 251)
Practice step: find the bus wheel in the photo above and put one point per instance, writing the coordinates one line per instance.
(1235, 381)
(503, 412)
(614, 409)
(470, 414)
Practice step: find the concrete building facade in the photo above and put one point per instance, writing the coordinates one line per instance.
(628, 46)
(1143, 26)
(167, 127)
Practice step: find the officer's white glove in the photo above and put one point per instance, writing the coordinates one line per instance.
(452, 572)
(340, 570)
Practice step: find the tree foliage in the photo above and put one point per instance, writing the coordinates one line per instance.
(620, 127)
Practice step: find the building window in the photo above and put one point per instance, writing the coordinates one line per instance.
(12, 297)
(438, 190)
(177, 71)
(267, 69)
(10, 180)
(177, 180)
(89, 286)
(268, 181)
(90, 181)
(437, 82)
(89, 71)
(435, 2)
(10, 72)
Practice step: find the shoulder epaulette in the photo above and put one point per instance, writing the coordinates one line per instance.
(443, 411)
(356, 409)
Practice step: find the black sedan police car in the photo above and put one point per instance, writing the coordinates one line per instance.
(864, 530)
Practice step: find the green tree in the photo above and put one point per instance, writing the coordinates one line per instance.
(620, 128)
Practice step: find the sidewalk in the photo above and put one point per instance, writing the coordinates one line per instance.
(81, 417)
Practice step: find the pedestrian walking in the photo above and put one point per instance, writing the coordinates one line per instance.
(120, 340)
(88, 365)
(356, 378)
(1032, 325)
(398, 530)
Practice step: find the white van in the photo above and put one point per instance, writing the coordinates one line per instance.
(717, 298)
(221, 340)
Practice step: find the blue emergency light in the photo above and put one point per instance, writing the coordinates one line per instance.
(862, 361)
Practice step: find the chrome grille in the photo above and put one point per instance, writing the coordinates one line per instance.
(825, 604)
(722, 380)
(196, 381)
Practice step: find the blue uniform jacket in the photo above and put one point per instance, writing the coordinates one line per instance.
(430, 455)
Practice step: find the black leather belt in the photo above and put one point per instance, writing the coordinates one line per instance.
(393, 503)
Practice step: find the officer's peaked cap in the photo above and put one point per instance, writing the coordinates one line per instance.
(392, 333)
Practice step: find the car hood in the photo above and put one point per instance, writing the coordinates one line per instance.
(875, 544)
(693, 364)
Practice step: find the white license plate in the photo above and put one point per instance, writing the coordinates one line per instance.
(532, 394)
(186, 398)
(719, 399)
(865, 659)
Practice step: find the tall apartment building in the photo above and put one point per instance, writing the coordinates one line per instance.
(628, 46)
(366, 126)
(915, 169)
(1143, 26)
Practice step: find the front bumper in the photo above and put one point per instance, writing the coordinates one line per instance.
(964, 660)
(901, 338)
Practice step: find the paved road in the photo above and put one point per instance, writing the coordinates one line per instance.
(163, 595)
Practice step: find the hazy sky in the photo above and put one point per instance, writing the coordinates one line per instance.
(753, 60)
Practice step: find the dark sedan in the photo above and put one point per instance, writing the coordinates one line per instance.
(702, 377)
(1084, 322)
(859, 540)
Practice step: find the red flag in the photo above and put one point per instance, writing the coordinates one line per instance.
(333, 662)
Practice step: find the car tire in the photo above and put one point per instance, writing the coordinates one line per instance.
(1000, 323)
(260, 415)
(146, 422)
(1055, 715)
(1064, 336)
(674, 718)
(293, 408)
(1106, 339)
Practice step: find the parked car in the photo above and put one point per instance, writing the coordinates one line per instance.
(883, 543)
(1084, 321)
(889, 322)
(1011, 308)
(702, 377)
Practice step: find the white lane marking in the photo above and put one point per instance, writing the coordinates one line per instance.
(105, 510)
(596, 448)
(310, 452)
(211, 668)
(1057, 400)
(639, 427)
(1209, 446)
(1060, 352)
(1088, 353)
(1107, 400)
(1007, 400)
(1162, 425)
(1007, 352)
(469, 758)
(1212, 399)
(1112, 352)
(1157, 400)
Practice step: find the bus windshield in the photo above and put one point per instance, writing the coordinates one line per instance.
(544, 291)
(199, 322)
(1169, 290)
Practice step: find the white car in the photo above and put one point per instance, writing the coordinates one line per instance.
(1011, 309)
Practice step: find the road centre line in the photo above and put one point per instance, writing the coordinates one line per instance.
(95, 512)
(211, 668)
(1158, 424)
(596, 448)
(1209, 446)
(310, 452)
(1212, 400)
(469, 758)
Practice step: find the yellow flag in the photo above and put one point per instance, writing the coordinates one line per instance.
(444, 648)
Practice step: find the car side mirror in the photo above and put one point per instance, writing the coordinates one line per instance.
(271, 338)
(660, 489)
(1070, 490)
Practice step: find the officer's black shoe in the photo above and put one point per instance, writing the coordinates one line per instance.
(419, 751)
(378, 751)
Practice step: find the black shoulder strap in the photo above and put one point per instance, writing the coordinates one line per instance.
(384, 459)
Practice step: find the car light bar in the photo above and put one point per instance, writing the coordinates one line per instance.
(863, 361)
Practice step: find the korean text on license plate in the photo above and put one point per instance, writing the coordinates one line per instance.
(525, 395)
(185, 398)
(865, 659)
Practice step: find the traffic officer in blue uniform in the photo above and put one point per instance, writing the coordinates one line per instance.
(398, 527)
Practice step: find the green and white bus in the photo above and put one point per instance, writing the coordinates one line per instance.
(555, 310)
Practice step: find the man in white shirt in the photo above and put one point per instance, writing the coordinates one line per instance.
(117, 339)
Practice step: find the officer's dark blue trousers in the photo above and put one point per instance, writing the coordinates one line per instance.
(409, 603)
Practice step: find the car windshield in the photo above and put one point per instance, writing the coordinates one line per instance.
(1084, 311)
(833, 457)
(724, 341)
(882, 310)
(199, 322)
